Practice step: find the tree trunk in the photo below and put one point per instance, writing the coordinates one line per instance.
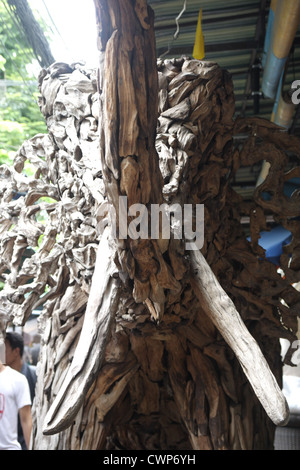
(147, 345)
(32, 30)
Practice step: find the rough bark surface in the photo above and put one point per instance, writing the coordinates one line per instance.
(161, 376)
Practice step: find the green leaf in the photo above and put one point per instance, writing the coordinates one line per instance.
(20, 116)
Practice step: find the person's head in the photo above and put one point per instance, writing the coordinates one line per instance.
(14, 345)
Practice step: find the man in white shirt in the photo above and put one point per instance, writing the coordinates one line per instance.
(14, 399)
(14, 348)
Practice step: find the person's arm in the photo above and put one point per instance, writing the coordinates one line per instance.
(26, 423)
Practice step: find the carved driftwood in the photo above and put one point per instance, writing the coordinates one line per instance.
(173, 384)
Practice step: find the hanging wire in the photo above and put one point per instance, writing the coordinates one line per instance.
(56, 28)
(176, 34)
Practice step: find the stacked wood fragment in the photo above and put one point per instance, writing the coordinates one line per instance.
(172, 384)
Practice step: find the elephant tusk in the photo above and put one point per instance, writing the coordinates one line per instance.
(222, 312)
(88, 357)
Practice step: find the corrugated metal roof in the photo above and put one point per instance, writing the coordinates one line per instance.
(234, 33)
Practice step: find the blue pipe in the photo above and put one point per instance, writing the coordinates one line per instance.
(284, 16)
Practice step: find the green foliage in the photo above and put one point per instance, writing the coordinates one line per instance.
(20, 116)
(2, 63)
